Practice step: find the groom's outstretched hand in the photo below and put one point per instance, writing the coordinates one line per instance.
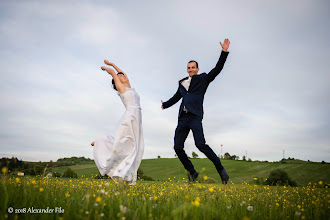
(225, 44)
(162, 104)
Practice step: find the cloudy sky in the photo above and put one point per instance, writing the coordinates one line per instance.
(272, 95)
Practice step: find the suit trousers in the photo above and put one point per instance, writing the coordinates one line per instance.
(188, 121)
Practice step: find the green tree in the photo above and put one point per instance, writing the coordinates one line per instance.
(194, 155)
(227, 156)
(234, 157)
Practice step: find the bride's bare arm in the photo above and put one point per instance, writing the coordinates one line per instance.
(114, 66)
(120, 87)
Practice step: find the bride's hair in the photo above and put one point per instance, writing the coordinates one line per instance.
(113, 82)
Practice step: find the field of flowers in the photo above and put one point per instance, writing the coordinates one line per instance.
(87, 198)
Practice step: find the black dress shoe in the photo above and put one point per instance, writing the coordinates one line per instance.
(192, 178)
(224, 176)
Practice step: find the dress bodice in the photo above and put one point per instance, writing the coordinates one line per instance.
(130, 98)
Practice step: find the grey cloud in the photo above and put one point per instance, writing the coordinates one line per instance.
(271, 94)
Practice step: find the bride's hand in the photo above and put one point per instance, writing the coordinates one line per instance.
(109, 70)
(108, 63)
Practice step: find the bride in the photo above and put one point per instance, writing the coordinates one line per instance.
(119, 156)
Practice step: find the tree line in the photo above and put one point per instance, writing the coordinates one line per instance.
(38, 168)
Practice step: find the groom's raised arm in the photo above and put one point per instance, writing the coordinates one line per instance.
(177, 96)
(221, 62)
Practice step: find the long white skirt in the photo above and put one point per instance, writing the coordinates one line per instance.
(119, 156)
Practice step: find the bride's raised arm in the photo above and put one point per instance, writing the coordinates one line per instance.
(114, 66)
(120, 87)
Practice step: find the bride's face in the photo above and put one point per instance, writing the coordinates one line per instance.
(123, 78)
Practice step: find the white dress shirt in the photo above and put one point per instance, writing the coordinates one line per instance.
(186, 83)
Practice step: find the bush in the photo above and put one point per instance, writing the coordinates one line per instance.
(147, 178)
(140, 173)
(29, 171)
(70, 173)
(38, 170)
(56, 174)
(280, 177)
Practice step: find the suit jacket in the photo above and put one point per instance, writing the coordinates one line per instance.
(193, 98)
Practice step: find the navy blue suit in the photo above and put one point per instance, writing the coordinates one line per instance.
(193, 100)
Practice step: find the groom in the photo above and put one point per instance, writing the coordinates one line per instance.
(192, 90)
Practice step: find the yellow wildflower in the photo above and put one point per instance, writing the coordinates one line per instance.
(98, 199)
(4, 170)
(196, 202)
(41, 189)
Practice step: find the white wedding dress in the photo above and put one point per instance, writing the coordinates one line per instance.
(119, 156)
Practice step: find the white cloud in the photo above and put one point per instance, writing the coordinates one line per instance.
(271, 92)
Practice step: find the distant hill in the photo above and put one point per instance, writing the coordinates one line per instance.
(239, 171)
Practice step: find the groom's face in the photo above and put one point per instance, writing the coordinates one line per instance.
(192, 69)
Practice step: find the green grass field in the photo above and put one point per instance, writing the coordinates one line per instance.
(239, 171)
(87, 198)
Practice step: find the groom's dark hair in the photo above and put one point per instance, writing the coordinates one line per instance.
(113, 82)
(194, 61)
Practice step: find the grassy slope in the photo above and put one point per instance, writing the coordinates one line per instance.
(239, 171)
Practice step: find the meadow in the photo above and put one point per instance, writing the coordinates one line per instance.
(87, 198)
(170, 196)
